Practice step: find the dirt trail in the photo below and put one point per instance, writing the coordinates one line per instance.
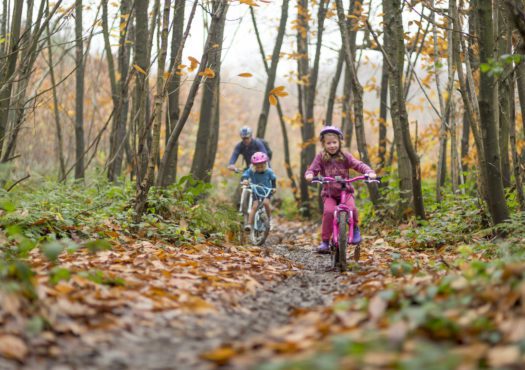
(175, 342)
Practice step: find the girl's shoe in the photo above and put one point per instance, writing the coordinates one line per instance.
(323, 248)
(357, 235)
(247, 228)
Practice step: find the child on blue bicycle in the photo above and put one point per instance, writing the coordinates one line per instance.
(259, 174)
(333, 162)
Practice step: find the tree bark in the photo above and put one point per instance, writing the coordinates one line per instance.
(208, 132)
(79, 95)
(141, 65)
(146, 183)
(333, 87)
(59, 140)
(488, 121)
(357, 91)
(504, 46)
(173, 111)
(118, 137)
(6, 84)
(383, 110)
(396, 54)
(175, 133)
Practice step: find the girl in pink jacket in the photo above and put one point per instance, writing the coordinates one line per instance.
(333, 162)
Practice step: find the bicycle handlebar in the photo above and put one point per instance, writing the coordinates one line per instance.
(338, 179)
(260, 190)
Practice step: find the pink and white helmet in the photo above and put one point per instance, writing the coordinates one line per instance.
(259, 157)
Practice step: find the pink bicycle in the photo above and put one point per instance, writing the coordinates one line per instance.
(343, 226)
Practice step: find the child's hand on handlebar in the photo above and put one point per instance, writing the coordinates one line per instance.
(309, 177)
(245, 182)
(372, 175)
(232, 167)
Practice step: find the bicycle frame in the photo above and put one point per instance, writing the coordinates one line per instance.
(260, 227)
(343, 208)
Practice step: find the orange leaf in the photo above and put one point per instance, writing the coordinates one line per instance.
(272, 99)
(139, 69)
(281, 93)
(221, 356)
(245, 74)
(193, 60)
(277, 89)
(248, 2)
(208, 72)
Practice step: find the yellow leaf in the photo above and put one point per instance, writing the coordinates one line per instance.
(181, 66)
(277, 89)
(208, 72)
(245, 74)
(281, 93)
(221, 356)
(215, 46)
(139, 69)
(248, 2)
(166, 75)
(272, 99)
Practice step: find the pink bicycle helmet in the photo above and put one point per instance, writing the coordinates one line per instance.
(330, 130)
(259, 157)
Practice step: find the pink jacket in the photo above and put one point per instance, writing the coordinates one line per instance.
(333, 168)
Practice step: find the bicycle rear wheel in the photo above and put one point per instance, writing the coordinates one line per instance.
(261, 227)
(342, 239)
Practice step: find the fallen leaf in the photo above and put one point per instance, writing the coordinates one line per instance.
(503, 355)
(220, 356)
(12, 347)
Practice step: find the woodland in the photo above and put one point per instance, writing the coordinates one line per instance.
(121, 246)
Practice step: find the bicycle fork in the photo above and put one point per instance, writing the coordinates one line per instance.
(349, 222)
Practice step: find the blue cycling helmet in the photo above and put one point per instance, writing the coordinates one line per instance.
(330, 130)
(245, 132)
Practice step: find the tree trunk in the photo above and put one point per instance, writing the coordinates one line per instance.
(383, 110)
(357, 90)
(59, 140)
(286, 145)
(208, 132)
(504, 35)
(119, 89)
(175, 133)
(347, 120)
(393, 20)
(79, 96)
(333, 87)
(270, 82)
(8, 73)
(173, 111)
(141, 64)
(488, 120)
(144, 186)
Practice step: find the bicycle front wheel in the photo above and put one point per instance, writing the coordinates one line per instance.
(261, 227)
(342, 239)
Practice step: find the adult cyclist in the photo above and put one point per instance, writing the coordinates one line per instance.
(247, 148)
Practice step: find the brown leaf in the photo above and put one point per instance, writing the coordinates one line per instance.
(12, 347)
(272, 99)
(245, 74)
(377, 307)
(503, 355)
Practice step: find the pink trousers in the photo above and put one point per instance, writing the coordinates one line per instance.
(329, 205)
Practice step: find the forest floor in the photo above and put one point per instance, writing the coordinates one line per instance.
(206, 306)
